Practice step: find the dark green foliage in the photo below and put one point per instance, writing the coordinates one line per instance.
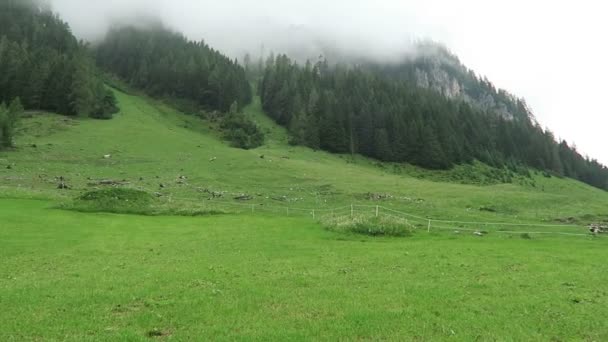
(526, 236)
(362, 110)
(166, 64)
(42, 63)
(9, 116)
(241, 131)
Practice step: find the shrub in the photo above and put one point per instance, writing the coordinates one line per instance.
(107, 107)
(242, 132)
(526, 236)
(372, 226)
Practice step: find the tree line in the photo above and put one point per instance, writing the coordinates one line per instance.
(43, 64)
(166, 64)
(345, 109)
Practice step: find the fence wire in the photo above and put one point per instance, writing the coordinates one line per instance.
(411, 220)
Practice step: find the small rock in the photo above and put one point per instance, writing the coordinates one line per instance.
(107, 156)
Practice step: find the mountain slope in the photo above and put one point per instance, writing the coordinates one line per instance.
(386, 114)
(152, 144)
(43, 64)
(435, 68)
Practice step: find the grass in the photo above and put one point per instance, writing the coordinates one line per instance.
(151, 144)
(365, 225)
(83, 275)
(72, 277)
(130, 201)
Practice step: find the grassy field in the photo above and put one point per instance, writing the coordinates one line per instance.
(66, 275)
(77, 277)
(151, 144)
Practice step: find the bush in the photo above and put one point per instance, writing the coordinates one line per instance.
(242, 132)
(526, 236)
(372, 226)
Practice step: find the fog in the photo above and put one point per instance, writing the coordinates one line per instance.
(238, 27)
(551, 53)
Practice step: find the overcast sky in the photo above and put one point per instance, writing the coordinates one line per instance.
(552, 53)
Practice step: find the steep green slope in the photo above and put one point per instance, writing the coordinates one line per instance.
(150, 144)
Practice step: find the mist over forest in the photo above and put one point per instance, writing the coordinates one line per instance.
(239, 27)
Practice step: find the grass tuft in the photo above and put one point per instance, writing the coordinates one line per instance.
(372, 226)
(131, 201)
(526, 236)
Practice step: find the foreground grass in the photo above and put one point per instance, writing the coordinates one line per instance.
(77, 277)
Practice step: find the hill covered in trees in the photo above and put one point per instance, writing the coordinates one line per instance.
(385, 113)
(164, 63)
(428, 110)
(43, 64)
(434, 67)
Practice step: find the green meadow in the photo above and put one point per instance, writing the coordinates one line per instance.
(198, 269)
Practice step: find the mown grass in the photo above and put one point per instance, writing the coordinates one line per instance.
(68, 276)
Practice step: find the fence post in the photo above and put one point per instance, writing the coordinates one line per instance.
(428, 229)
(313, 214)
(352, 210)
(376, 211)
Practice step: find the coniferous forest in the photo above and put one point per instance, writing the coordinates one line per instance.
(354, 110)
(166, 64)
(43, 64)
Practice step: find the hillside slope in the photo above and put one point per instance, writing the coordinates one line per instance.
(150, 144)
